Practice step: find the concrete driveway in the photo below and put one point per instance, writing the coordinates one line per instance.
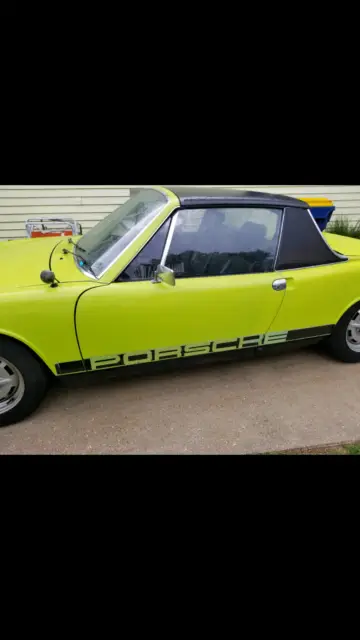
(279, 402)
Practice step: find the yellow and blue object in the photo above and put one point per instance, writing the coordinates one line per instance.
(321, 209)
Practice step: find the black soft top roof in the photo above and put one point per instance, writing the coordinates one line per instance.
(207, 196)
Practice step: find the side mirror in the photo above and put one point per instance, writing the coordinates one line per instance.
(48, 277)
(164, 274)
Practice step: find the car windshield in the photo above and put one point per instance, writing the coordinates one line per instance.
(103, 243)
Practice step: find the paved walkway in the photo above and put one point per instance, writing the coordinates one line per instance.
(294, 400)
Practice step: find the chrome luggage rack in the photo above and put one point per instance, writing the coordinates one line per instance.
(51, 227)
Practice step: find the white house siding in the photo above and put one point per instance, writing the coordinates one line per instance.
(87, 204)
(345, 198)
(90, 203)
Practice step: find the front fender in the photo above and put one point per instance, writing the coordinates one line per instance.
(42, 318)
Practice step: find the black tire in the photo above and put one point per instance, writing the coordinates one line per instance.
(34, 382)
(337, 343)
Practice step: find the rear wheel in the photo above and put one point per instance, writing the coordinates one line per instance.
(23, 382)
(344, 342)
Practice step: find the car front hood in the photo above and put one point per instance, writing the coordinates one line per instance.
(21, 262)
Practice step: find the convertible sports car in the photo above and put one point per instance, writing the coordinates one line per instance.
(173, 273)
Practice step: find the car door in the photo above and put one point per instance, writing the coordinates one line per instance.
(224, 295)
(320, 285)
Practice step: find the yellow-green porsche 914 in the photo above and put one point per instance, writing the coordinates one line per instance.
(173, 273)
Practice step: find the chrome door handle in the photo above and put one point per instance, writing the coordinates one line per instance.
(279, 285)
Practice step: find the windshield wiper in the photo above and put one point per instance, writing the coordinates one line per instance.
(71, 241)
(82, 261)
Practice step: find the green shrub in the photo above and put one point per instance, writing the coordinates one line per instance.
(344, 227)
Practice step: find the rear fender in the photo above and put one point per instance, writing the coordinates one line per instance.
(355, 302)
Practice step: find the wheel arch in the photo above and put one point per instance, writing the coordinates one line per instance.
(353, 304)
(30, 347)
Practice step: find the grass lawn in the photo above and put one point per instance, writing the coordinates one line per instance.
(352, 449)
(343, 227)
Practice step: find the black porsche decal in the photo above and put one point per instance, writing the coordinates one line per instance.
(184, 351)
(98, 363)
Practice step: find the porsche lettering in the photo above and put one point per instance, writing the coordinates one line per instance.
(186, 350)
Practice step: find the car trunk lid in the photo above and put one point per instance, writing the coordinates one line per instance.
(343, 244)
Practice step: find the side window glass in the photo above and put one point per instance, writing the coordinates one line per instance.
(224, 241)
(145, 263)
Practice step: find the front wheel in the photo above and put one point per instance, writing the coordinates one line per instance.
(23, 382)
(344, 342)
